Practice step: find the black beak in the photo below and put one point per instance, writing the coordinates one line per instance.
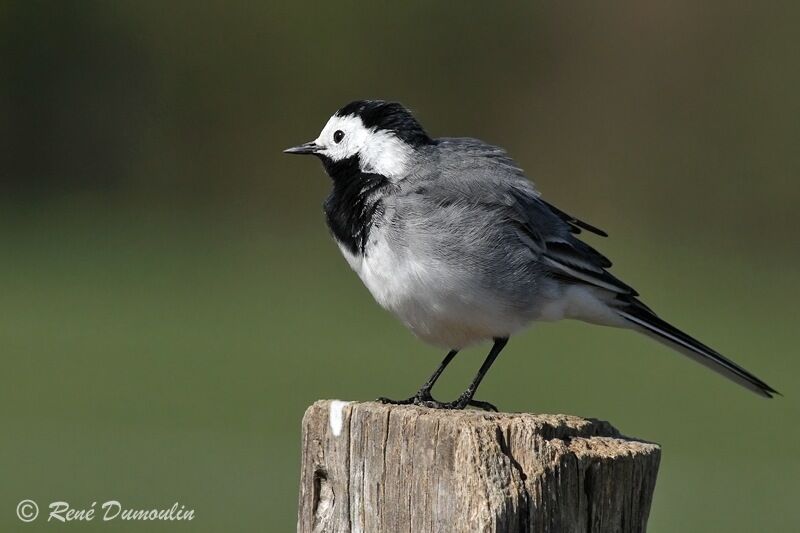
(307, 148)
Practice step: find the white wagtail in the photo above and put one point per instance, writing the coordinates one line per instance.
(450, 236)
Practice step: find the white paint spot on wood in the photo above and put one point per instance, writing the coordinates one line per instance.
(335, 416)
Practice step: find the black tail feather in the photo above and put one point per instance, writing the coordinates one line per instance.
(650, 324)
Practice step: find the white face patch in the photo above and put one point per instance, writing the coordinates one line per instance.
(380, 152)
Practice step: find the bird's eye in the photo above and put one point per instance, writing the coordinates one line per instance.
(338, 135)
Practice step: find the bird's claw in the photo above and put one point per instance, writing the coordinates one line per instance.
(424, 399)
(389, 401)
(486, 406)
(420, 398)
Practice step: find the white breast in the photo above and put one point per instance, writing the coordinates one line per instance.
(437, 301)
(392, 280)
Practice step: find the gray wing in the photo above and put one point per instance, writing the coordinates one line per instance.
(471, 173)
(566, 255)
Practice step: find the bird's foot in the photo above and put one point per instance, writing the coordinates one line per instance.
(389, 401)
(420, 398)
(461, 402)
(424, 399)
(486, 406)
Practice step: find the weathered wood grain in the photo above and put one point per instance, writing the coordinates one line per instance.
(374, 468)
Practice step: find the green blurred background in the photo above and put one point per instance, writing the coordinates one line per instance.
(171, 301)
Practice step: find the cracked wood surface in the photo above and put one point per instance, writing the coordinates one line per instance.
(369, 467)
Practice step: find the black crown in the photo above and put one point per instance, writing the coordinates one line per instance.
(388, 116)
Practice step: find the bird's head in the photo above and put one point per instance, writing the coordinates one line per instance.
(379, 137)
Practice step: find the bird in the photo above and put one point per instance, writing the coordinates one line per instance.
(451, 236)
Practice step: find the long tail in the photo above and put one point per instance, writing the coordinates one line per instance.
(648, 323)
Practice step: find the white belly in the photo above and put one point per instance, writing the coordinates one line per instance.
(433, 299)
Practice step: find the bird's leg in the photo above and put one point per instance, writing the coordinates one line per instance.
(466, 397)
(424, 393)
(423, 396)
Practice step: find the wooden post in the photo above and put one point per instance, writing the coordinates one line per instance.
(373, 468)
